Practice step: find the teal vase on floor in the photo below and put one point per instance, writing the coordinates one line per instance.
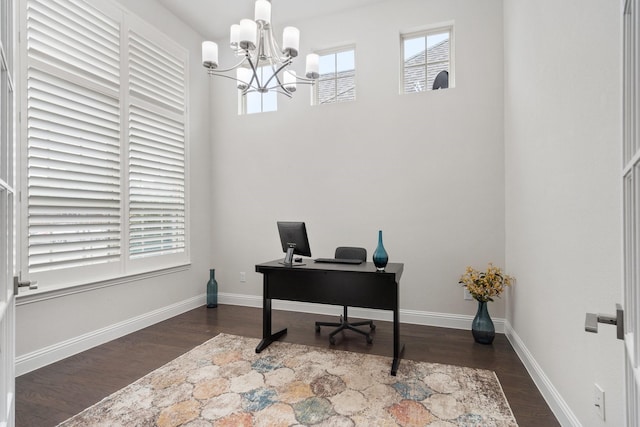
(482, 326)
(212, 290)
(380, 256)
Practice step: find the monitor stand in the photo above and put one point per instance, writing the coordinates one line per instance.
(288, 259)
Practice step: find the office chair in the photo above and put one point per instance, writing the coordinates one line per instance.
(345, 252)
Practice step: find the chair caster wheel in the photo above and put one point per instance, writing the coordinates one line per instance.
(317, 329)
(332, 341)
(373, 327)
(369, 340)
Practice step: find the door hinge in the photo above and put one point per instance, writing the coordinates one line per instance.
(592, 320)
(17, 284)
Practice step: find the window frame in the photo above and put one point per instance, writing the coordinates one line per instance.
(316, 87)
(126, 267)
(426, 32)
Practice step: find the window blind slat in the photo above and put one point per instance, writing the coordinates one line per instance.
(86, 256)
(91, 142)
(73, 240)
(73, 29)
(172, 134)
(80, 62)
(51, 156)
(163, 86)
(158, 181)
(74, 37)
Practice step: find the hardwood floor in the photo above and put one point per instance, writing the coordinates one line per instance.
(56, 392)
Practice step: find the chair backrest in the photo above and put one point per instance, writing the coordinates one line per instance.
(441, 81)
(348, 252)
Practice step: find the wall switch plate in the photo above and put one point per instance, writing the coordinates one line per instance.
(243, 276)
(467, 295)
(598, 400)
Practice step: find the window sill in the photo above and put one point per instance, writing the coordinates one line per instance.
(36, 295)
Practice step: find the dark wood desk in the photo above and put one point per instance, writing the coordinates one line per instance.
(339, 284)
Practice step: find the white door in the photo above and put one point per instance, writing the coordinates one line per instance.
(7, 199)
(631, 177)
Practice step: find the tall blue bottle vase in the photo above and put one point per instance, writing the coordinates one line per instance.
(482, 326)
(380, 256)
(212, 290)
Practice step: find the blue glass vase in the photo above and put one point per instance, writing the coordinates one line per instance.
(212, 290)
(482, 327)
(380, 257)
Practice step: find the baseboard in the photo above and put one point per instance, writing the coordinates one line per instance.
(47, 355)
(558, 406)
(425, 318)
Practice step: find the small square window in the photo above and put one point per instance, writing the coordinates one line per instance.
(337, 81)
(426, 60)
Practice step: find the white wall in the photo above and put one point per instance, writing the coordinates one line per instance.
(563, 194)
(427, 168)
(49, 324)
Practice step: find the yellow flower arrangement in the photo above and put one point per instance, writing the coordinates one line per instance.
(485, 285)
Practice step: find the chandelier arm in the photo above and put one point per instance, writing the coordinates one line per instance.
(269, 53)
(254, 68)
(278, 89)
(283, 91)
(249, 89)
(226, 70)
(305, 81)
(275, 72)
(274, 48)
(260, 51)
(227, 77)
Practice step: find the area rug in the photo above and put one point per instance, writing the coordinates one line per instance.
(223, 382)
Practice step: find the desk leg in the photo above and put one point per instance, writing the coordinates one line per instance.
(398, 350)
(267, 336)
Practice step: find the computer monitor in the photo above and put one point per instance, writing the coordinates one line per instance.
(294, 240)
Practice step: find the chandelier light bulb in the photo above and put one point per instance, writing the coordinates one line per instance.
(290, 41)
(210, 54)
(248, 34)
(263, 12)
(313, 66)
(234, 36)
(243, 76)
(290, 80)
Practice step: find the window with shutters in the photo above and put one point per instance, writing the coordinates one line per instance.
(106, 144)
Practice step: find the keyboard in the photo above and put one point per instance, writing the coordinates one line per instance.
(338, 260)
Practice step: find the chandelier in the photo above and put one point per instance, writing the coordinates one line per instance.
(264, 65)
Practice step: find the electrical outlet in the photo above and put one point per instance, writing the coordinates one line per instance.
(467, 295)
(243, 276)
(598, 400)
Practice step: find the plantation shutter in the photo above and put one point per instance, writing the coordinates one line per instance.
(106, 144)
(73, 135)
(156, 149)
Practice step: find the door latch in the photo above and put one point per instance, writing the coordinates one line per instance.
(18, 283)
(592, 320)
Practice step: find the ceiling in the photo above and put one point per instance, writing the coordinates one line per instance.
(212, 18)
